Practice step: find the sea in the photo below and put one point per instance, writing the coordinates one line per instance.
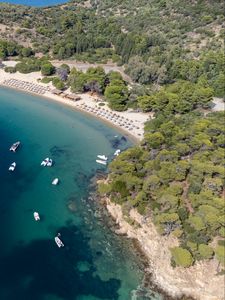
(95, 263)
(35, 2)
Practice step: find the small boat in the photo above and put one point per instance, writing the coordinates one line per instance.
(12, 166)
(55, 181)
(117, 152)
(47, 162)
(102, 162)
(103, 157)
(14, 146)
(36, 216)
(44, 162)
(59, 243)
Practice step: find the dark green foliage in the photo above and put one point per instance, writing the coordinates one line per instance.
(172, 48)
(180, 97)
(8, 48)
(58, 83)
(93, 80)
(116, 93)
(47, 69)
(46, 79)
(181, 186)
(26, 52)
(158, 42)
(10, 69)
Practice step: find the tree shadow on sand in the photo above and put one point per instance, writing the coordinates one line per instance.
(41, 268)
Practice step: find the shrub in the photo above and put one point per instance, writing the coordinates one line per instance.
(47, 69)
(58, 83)
(182, 257)
(205, 251)
(46, 79)
(10, 69)
(220, 254)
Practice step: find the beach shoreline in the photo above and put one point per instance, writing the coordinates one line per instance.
(87, 104)
(128, 135)
(176, 282)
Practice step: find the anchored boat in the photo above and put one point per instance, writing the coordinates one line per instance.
(102, 162)
(14, 146)
(102, 157)
(12, 166)
(36, 216)
(59, 243)
(47, 162)
(117, 152)
(55, 181)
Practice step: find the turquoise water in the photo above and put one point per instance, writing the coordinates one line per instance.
(36, 2)
(95, 264)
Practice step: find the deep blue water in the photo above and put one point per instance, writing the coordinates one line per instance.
(95, 264)
(36, 2)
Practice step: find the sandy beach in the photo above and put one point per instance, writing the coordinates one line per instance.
(130, 122)
(199, 281)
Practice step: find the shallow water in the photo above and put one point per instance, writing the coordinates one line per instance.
(94, 264)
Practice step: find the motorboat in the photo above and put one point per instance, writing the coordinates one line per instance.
(117, 152)
(44, 162)
(47, 162)
(14, 146)
(103, 157)
(55, 181)
(58, 241)
(102, 162)
(12, 166)
(36, 216)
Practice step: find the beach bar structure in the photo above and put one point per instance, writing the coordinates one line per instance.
(57, 92)
(72, 97)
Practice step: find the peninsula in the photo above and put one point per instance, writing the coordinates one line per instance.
(155, 70)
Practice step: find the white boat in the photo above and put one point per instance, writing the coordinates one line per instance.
(55, 181)
(103, 157)
(47, 162)
(36, 216)
(59, 243)
(12, 166)
(117, 152)
(14, 146)
(102, 162)
(44, 162)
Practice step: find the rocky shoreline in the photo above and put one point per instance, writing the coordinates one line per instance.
(199, 282)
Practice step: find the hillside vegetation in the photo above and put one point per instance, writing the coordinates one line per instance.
(159, 42)
(173, 51)
(177, 177)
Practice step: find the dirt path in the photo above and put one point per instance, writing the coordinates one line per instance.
(84, 66)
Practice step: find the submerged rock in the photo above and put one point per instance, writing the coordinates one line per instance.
(83, 266)
(72, 204)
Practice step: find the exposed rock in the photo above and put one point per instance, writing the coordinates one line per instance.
(199, 281)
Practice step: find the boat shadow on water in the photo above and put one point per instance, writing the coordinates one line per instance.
(57, 151)
(118, 142)
(48, 270)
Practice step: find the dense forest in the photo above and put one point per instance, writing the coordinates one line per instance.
(158, 42)
(177, 177)
(173, 52)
